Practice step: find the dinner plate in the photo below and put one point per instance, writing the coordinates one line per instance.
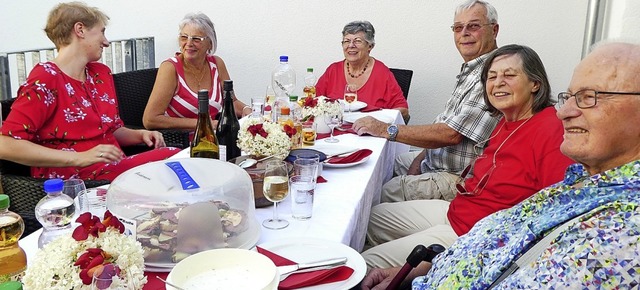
(342, 165)
(355, 106)
(309, 250)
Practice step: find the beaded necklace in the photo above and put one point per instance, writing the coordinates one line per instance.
(361, 73)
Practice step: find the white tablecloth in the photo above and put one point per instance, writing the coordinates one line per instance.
(342, 205)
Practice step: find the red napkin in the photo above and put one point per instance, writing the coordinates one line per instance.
(370, 108)
(351, 158)
(320, 179)
(153, 283)
(307, 279)
(336, 132)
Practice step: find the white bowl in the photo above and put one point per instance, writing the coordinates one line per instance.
(225, 269)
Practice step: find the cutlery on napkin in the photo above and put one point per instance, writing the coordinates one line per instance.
(299, 280)
(351, 158)
(287, 270)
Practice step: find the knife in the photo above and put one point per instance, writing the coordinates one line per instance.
(284, 270)
(343, 153)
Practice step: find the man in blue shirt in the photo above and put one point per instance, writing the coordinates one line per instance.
(598, 249)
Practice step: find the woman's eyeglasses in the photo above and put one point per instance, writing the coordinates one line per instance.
(194, 39)
(356, 41)
(481, 184)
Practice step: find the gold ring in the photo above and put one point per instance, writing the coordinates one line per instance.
(101, 153)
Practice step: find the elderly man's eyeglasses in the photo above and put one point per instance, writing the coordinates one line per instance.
(356, 41)
(195, 39)
(473, 26)
(589, 98)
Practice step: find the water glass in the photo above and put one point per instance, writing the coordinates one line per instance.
(75, 189)
(302, 189)
(307, 164)
(309, 133)
(257, 107)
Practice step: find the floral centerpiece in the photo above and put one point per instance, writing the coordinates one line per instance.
(314, 107)
(265, 138)
(95, 248)
(319, 109)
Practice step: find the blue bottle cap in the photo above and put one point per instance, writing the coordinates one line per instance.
(53, 185)
(284, 58)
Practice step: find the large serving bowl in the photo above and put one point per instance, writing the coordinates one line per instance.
(225, 269)
(173, 218)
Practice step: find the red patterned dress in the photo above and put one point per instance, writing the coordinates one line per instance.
(59, 112)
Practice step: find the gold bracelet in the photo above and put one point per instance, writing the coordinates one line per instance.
(246, 107)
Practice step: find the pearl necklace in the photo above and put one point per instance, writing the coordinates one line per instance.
(361, 73)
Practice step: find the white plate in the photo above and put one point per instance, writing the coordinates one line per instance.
(342, 165)
(309, 250)
(331, 148)
(355, 106)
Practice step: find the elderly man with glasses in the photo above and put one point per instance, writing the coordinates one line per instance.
(449, 140)
(581, 233)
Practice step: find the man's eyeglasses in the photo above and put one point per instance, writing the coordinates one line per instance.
(589, 98)
(473, 26)
(356, 41)
(195, 39)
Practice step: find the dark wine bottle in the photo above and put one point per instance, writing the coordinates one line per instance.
(228, 126)
(205, 143)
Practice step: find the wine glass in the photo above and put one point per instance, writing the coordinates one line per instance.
(334, 120)
(76, 189)
(350, 94)
(275, 188)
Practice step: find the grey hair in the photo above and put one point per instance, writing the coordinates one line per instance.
(492, 14)
(201, 22)
(532, 67)
(354, 27)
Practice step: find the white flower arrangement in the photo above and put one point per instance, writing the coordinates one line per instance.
(320, 106)
(68, 261)
(263, 138)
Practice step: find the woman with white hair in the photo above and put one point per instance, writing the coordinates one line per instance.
(173, 103)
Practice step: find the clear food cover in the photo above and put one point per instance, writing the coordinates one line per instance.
(179, 207)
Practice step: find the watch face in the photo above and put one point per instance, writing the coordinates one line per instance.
(392, 130)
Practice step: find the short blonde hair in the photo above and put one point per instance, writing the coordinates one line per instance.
(64, 16)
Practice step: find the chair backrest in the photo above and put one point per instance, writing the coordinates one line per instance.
(403, 77)
(9, 167)
(133, 89)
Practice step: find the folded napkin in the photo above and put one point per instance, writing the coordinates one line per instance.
(351, 158)
(336, 132)
(307, 279)
(320, 179)
(370, 108)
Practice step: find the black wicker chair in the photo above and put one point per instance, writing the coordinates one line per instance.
(133, 89)
(403, 77)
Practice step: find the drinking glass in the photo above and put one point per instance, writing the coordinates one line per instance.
(270, 96)
(334, 121)
(76, 189)
(257, 107)
(309, 133)
(103, 281)
(350, 94)
(275, 188)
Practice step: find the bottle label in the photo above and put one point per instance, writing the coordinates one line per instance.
(223, 152)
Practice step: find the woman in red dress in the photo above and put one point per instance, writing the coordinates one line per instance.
(64, 122)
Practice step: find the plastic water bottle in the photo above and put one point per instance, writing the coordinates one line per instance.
(310, 81)
(55, 212)
(283, 81)
(13, 260)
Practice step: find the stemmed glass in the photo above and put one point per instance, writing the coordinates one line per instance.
(334, 121)
(76, 189)
(275, 188)
(350, 94)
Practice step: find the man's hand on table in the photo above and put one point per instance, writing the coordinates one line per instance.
(372, 126)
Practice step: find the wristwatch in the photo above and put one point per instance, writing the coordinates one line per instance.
(392, 130)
